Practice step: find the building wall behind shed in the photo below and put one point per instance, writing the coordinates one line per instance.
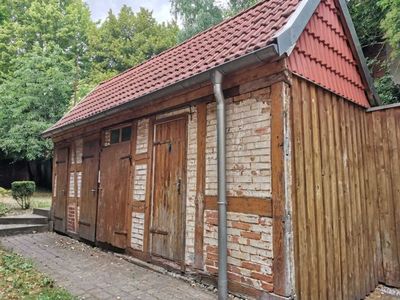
(345, 200)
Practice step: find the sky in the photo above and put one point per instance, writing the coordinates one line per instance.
(161, 8)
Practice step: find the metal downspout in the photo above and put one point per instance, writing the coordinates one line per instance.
(217, 78)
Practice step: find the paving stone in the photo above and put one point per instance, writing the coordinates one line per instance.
(90, 273)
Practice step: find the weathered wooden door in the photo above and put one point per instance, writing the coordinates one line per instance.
(89, 189)
(61, 188)
(115, 164)
(168, 211)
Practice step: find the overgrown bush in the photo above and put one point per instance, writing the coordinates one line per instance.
(22, 192)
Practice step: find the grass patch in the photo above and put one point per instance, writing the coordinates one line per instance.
(20, 280)
(4, 192)
(40, 199)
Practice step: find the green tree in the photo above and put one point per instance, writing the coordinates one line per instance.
(33, 97)
(196, 16)
(367, 16)
(391, 24)
(44, 56)
(45, 23)
(127, 39)
(378, 23)
(236, 6)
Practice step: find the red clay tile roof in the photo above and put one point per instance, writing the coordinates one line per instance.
(323, 55)
(251, 30)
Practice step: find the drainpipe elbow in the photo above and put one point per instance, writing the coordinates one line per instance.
(217, 78)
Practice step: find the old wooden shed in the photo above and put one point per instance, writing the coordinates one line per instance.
(310, 170)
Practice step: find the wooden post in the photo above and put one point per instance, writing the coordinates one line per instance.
(149, 188)
(281, 191)
(200, 184)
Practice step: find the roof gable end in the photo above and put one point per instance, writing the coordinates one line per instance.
(323, 47)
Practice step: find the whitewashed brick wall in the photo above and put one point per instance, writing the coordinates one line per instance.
(71, 187)
(248, 146)
(71, 217)
(142, 136)
(139, 183)
(78, 184)
(191, 186)
(55, 186)
(137, 231)
(79, 150)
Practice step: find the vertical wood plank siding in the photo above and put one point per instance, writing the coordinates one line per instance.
(346, 195)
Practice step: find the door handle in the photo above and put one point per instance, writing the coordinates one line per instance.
(178, 186)
(93, 190)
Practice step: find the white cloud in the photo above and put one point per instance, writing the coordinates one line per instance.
(100, 8)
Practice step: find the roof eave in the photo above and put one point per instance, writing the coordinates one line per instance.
(257, 57)
(287, 37)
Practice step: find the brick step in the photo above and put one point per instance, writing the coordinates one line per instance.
(44, 212)
(24, 219)
(14, 229)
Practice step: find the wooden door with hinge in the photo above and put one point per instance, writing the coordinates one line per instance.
(61, 189)
(89, 189)
(115, 168)
(167, 230)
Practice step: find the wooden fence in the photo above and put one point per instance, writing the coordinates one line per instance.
(346, 195)
(385, 127)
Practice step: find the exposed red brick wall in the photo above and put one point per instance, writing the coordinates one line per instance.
(71, 218)
(249, 249)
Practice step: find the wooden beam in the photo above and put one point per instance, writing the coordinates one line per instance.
(200, 184)
(245, 205)
(138, 206)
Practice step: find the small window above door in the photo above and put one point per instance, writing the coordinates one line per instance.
(117, 135)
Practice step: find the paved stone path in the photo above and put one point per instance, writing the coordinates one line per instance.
(90, 273)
